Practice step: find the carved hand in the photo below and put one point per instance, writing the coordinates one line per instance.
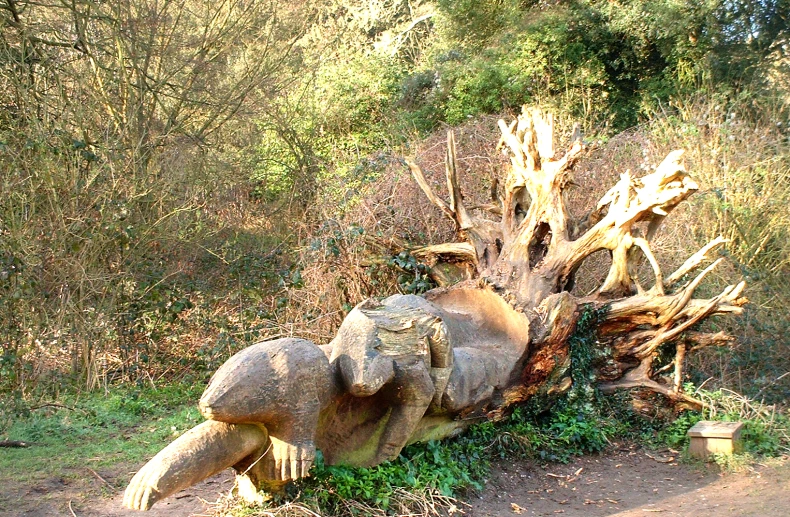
(142, 493)
(292, 460)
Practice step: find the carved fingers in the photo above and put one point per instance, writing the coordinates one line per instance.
(292, 460)
(142, 491)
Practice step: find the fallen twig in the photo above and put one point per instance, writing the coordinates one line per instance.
(102, 479)
(661, 460)
(13, 443)
(51, 404)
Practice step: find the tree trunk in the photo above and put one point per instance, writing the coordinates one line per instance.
(413, 368)
(531, 255)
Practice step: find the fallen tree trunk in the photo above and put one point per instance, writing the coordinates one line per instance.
(412, 368)
(533, 252)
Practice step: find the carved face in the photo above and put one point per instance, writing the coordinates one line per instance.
(366, 377)
(357, 355)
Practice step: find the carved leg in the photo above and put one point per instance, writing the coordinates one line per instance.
(412, 393)
(199, 453)
(441, 362)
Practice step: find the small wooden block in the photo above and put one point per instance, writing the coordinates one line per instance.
(710, 437)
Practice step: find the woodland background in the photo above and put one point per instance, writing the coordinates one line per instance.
(182, 178)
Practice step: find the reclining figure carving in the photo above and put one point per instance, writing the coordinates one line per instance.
(414, 368)
(395, 373)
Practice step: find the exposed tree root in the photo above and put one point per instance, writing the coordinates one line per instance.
(534, 249)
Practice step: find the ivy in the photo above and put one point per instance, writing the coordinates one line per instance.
(414, 277)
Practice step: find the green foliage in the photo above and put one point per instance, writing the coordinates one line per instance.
(565, 431)
(530, 62)
(448, 467)
(602, 62)
(475, 22)
(415, 277)
(675, 434)
(312, 137)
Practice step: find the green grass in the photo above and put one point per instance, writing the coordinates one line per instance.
(98, 430)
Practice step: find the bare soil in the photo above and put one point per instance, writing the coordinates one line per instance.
(630, 481)
(625, 481)
(100, 494)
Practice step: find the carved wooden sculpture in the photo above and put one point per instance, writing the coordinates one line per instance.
(411, 368)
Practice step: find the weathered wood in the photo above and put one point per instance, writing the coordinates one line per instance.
(410, 368)
(709, 437)
(201, 452)
(541, 248)
(404, 369)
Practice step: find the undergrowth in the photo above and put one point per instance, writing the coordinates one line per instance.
(454, 467)
(575, 426)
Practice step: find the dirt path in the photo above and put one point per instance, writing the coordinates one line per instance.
(623, 482)
(632, 482)
(90, 496)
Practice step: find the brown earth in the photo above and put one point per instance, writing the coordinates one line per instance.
(630, 481)
(625, 481)
(100, 494)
